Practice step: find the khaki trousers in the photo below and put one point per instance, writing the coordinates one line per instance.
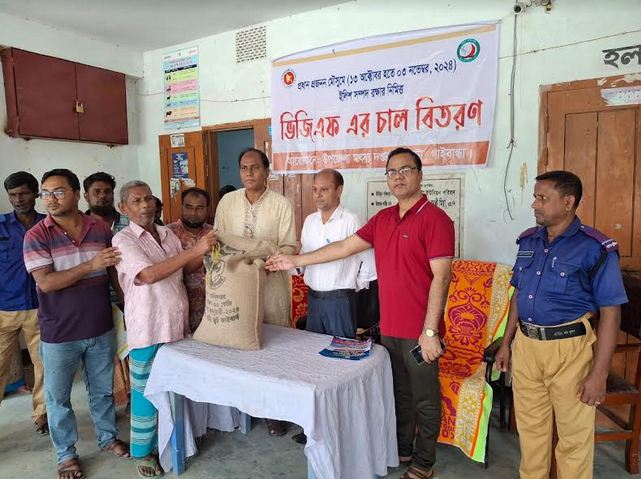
(545, 378)
(11, 323)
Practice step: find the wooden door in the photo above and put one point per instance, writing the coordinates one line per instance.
(104, 99)
(181, 167)
(595, 134)
(600, 141)
(296, 187)
(262, 141)
(45, 95)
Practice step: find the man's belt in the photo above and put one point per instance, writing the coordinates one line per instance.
(552, 332)
(336, 293)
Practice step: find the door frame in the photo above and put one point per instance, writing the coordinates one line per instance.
(260, 128)
(196, 169)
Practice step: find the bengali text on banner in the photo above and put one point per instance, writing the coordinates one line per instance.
(346, 106)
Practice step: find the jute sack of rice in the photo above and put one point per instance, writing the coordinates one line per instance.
(235, 284)
(278, 295)
(278, 299)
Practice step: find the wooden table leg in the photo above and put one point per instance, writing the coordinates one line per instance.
(178, 433)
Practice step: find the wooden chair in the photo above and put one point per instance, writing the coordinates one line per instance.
(620, 391)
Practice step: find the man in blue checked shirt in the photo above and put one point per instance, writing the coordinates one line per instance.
(565, 272)
(18, 299)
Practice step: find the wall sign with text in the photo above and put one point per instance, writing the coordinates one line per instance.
(182, 91)
(445, 191)
(622, 55)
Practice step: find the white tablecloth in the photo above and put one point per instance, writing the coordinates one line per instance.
(345, 407)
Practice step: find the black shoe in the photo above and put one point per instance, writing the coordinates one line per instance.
(300, 438)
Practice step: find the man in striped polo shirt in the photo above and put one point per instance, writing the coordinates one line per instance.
(71, 259)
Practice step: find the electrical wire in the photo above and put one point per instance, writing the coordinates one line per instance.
(512, 143)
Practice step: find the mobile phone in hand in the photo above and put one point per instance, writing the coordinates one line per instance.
(417, 352)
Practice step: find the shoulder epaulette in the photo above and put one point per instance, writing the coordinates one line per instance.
(526, 233)
(607, 243)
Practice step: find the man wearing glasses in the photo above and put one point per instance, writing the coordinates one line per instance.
(71, 259)
(413, 245)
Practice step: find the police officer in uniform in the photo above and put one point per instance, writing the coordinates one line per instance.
(565, 272)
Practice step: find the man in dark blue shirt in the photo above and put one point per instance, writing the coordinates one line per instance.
(18, 299)
(565, 272)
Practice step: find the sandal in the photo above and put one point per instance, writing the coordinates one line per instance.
(42, 426)
(118, 448)
(276, 428)
(414, 472)
(152, 466)
(24, 389)
(70, 470)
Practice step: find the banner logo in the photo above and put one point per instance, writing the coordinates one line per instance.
(468, 50)
(289, 77)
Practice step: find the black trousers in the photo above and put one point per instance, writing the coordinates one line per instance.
(417, 393)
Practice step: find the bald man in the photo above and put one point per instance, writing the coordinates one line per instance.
(333, 285)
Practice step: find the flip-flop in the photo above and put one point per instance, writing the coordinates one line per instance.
(24, 389)
(152, 464)
(118, 448)
(276, 428)
(414, 472)
(70, 466)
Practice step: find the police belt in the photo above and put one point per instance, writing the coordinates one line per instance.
(543, 333)
(336, 293)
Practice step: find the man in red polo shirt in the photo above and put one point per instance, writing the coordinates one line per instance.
(414, 244)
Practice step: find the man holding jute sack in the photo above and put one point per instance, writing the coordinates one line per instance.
(156, 305)
(235, 293)
(259, 213)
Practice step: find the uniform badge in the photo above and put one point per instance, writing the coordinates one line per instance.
(525, 254)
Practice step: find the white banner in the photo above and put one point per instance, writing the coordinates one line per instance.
(346, 106)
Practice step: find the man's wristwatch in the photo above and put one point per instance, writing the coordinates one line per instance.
(431, 333)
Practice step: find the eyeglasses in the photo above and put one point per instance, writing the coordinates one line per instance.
(57, 194)
(404, 171)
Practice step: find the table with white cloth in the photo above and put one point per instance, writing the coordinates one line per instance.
(345, 407)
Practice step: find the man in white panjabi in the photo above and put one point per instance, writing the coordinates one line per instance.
(257, 212)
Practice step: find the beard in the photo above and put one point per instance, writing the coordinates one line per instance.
(193, 224)
(102, 210)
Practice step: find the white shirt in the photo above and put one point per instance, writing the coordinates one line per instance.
(347, 273)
